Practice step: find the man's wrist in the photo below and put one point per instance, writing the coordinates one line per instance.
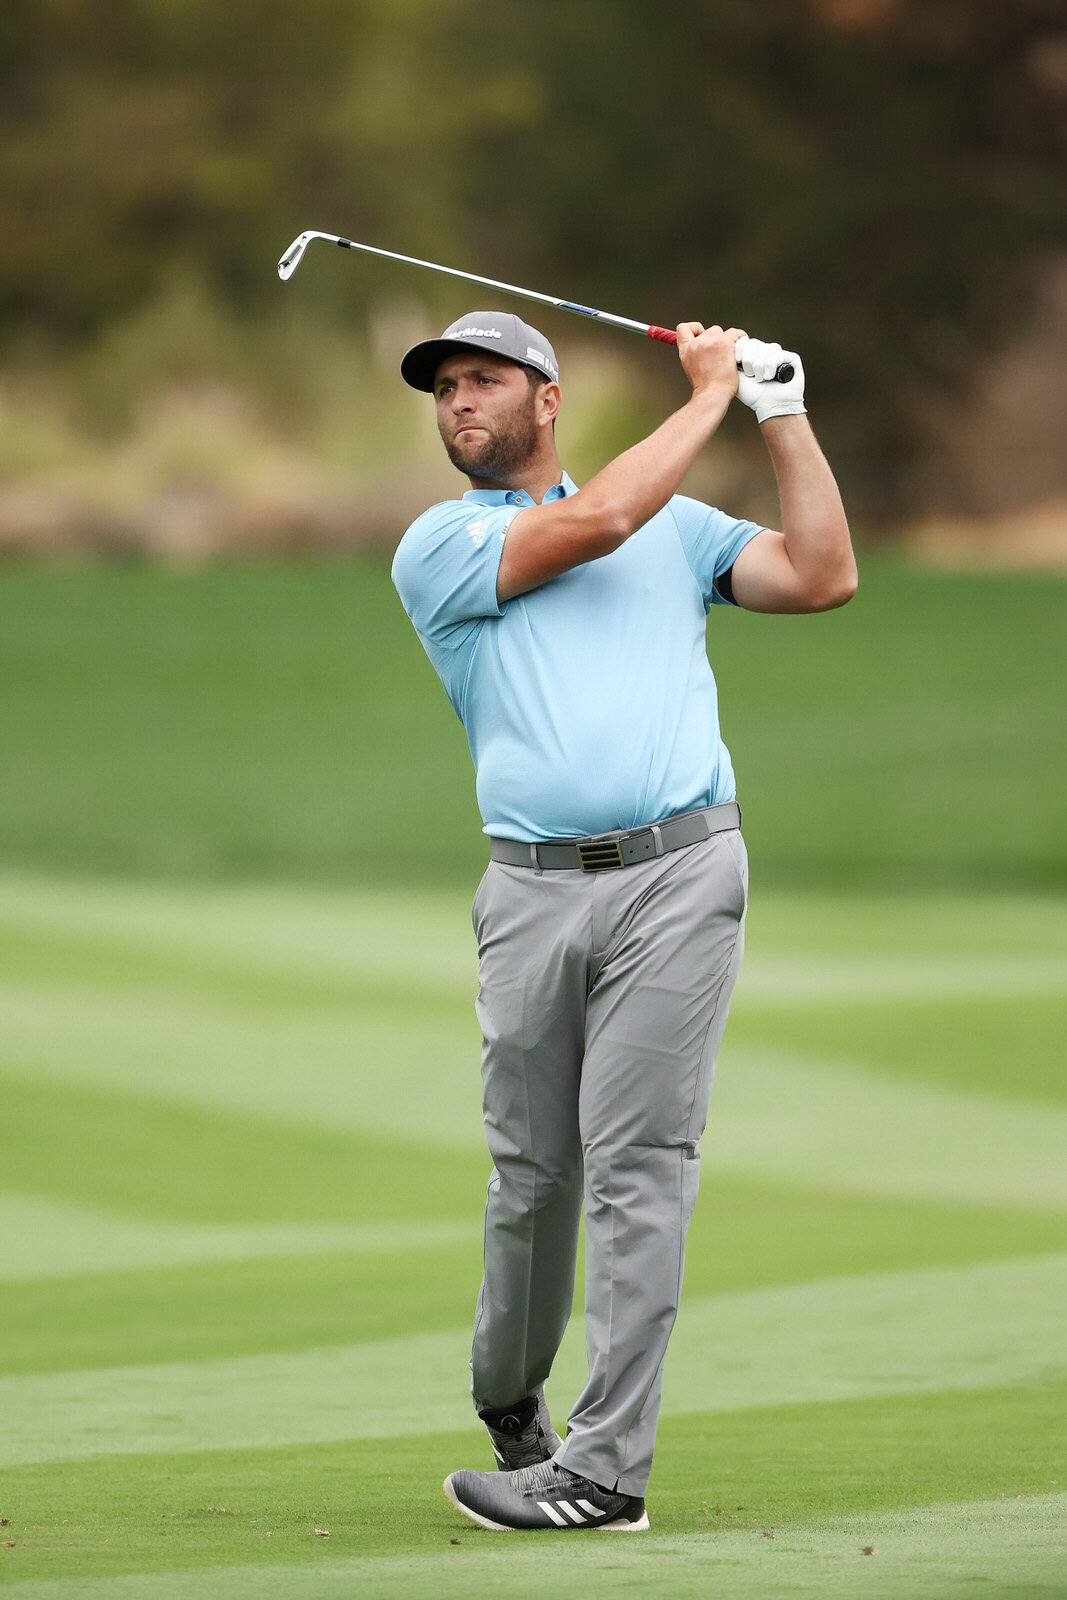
(792, 408)
(788, 438)
(784, 422)
(711, 401)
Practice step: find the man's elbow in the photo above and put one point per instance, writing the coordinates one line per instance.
(846, 587)
(834, 589)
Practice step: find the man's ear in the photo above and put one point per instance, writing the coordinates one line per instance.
(548, 397)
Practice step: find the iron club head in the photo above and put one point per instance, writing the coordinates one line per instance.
(293, 256)
(295, 253)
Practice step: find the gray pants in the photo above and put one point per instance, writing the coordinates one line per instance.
(602, 1000)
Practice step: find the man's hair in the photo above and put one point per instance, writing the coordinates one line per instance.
(534, 377)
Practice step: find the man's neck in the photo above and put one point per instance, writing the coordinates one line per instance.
(535, 479)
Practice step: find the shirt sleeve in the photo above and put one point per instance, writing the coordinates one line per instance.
(712, 542)
(445, 567)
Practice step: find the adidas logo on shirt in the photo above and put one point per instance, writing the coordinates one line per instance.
(478, 529)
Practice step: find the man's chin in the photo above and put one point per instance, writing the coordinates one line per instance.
(492, 457)
(477, 463)
(468, 447)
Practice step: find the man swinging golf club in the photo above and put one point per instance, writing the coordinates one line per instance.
(568, 628)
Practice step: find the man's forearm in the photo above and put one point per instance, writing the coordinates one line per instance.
(630, 490)
(545, 540)
(814, 525)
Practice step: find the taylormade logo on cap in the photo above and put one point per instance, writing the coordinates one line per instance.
(474, 333)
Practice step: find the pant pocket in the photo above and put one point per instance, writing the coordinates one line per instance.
(735, 848)
(478, 903)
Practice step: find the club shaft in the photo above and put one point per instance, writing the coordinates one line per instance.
(665, 335)
(495, 283)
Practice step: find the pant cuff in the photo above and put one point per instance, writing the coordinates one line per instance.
(598, 1472)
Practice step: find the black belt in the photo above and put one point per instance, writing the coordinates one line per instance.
(601, 852)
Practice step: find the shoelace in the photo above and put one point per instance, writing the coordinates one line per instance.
(547, 1476)
(525, 1448)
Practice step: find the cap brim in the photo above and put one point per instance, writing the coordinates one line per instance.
(419, 366)
(422, 361)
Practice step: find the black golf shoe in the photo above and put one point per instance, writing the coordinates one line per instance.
(543, 1496)
(522, 1435)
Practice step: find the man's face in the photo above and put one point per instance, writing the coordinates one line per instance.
(486, 414)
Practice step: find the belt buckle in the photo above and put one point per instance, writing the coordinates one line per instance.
(600, 855)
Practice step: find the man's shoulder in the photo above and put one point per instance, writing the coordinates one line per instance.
(699, 519)
(428, 528)
(688, 518)
(445, 566)
(684, 507)
(454, 529)
(443, 513)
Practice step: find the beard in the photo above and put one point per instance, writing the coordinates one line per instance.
(501, 454)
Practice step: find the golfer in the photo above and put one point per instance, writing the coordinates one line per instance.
(567, 626)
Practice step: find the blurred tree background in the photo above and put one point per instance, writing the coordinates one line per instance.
(880, 183)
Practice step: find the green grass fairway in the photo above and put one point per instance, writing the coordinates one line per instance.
(282, 721)
(240, 1218)
(241, 1162)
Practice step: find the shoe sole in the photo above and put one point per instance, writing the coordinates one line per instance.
(618, 1525)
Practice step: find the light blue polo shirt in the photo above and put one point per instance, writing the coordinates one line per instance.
(588, 703)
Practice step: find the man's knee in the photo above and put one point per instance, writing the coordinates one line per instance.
(527, 1186)
(629, 1175)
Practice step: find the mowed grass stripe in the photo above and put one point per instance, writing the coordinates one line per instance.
(745, 1235)
(774, 1113)
(417, 1075)
(788, 1115)
(233, 1309)
(354, 945)
(419, 940)
(716, 1476)
(1008, 1045)
(46, 1238)
(895, 1333)
(177, 1162)
(408, 1275)
(927, 1551)
(148, 971)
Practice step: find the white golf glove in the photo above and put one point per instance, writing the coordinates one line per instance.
(757, 386)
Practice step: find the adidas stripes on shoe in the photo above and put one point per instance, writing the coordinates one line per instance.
(543, 1496)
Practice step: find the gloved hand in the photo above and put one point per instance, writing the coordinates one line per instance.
(756, 385)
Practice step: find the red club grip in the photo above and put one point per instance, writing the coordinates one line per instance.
(668, 336)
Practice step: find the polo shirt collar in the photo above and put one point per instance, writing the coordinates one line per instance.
(519, 497)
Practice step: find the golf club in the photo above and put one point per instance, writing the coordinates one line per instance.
(295, 254)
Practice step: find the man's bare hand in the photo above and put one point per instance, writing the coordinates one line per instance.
(707, 356)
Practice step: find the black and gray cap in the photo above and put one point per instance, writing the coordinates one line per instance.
(499, 331)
